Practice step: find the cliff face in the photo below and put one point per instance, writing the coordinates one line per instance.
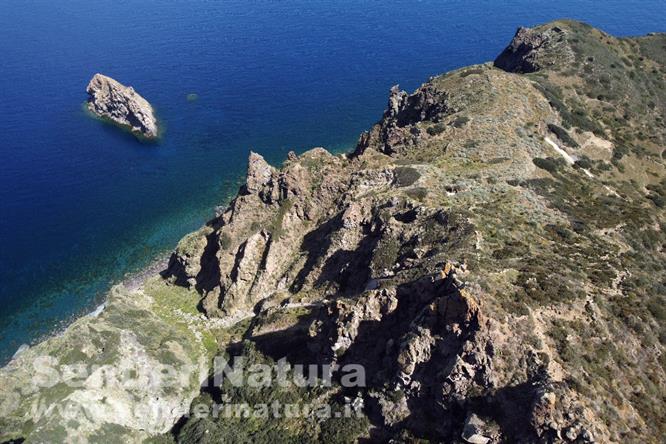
(123, 106)
(492, 253)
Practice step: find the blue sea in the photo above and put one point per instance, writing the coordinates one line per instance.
(82, 204)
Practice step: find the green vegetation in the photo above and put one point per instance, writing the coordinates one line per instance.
(243, 420)
(111, 434)
(276, 226)
(584, 162)
(193, 243)
(572, 115)
(435, 129)
(343, 430)
(471, 71)
(418, 193)
(549, 164)
(386, 254)
(406, 176)
(225, 241)
(460, 121)
(657, 193)
(563, 135)
(623, 91)
(171, 302)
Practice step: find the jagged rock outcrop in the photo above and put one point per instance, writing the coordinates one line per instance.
(535, 49)
(364, 238)
(474, 430)
(122, 105)
(253, 251)
(259, 174)
(397, 129)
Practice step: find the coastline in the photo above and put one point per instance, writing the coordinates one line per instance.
(141, 324)
(402, 209)
(134, 280)
(131, 281)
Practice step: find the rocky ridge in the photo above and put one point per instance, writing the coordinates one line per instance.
(122, 105)
(439, 254)
(493, 291)
(532, 50)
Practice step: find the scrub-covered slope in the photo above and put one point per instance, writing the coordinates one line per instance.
(492, 253)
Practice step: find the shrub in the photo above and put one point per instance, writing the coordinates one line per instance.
(657, 200)
(343, 430)
(563, 135)
(276, 227)
(386, 254)
(437, 128)
(539, 285)
(460, 121)
(584, 162)
(619, 152)
(549, 164)
(577, 118)
(405, 176)
(657, 309)
(225, 241)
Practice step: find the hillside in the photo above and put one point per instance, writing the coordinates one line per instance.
(492, 253)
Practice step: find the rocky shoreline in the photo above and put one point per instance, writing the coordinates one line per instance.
(131, 281)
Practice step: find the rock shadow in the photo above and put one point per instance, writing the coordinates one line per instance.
(315, 244)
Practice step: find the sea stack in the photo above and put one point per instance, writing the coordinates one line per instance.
(110, 99)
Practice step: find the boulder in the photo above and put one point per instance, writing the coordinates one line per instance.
(474, 429)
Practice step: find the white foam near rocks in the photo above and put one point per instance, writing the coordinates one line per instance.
(98, 311)
(20, 350)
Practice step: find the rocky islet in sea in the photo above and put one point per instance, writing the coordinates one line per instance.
(122, 105)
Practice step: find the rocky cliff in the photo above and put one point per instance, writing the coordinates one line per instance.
(121, 105)
(492, 253)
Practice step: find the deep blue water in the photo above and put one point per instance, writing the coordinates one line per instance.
(82, 204)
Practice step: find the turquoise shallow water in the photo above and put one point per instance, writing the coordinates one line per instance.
(82, 204)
